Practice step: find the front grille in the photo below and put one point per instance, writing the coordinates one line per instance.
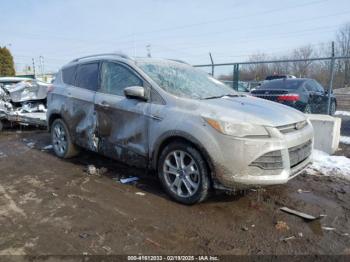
(271, 160)
(298, 154)
(292, 127)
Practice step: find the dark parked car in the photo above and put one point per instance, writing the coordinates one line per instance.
(304, 94)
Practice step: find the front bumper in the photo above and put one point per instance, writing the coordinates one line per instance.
(234, 169)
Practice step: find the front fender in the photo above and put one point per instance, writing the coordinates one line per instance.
(178, 134)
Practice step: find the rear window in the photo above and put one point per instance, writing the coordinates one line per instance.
(68, 75)
(87, 76)
(282, 84)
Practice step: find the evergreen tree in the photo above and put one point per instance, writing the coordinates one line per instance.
(6, 63)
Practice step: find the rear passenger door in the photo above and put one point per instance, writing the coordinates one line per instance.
(318, 97)
(122, 122)
(81, 96)
(323, 98)
(313, 96)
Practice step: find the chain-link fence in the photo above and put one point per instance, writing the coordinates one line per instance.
(330, 89)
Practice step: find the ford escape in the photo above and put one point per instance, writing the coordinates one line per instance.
(168, 116)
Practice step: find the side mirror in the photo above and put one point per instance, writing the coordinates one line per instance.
(137, 92)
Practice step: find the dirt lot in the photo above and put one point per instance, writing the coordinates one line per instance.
(51, 206)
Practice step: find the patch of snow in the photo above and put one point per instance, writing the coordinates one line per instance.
(31, 144)
(48, 147)
(342, 113)
(2, 155)
(345, 140)
(128, 180)
(329, 165)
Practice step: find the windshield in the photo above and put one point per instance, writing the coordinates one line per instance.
(184, 80)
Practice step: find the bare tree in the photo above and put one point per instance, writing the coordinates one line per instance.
(343, 49)
(319, 70)
(300, 69)
(280, 68)
(258, 71)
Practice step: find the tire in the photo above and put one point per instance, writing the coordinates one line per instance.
(187, 180)
(1, 125)
(61, 140)
(333, 108)
(307, 109)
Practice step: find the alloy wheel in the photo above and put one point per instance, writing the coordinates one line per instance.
(181, 173)
(59, 139)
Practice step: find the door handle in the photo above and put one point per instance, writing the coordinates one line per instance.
(104, 104)
(156, 117)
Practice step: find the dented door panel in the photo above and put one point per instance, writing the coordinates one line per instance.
(82, 117)
(122, 128)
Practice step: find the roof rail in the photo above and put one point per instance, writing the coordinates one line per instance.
(104, 54)
(179, 61)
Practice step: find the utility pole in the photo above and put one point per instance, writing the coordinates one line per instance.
(33, 67)
(212, 65)
(330, 88)
(134, 44)
(41, 59)
(148, 48)
(235, 77)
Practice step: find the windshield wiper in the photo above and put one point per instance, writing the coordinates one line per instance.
(214, 97)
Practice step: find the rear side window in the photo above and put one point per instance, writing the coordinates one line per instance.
(318, 87)
(68, 75)
(115, 77)
(310, 86)
(87, 76)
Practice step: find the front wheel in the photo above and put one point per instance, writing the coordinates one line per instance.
(333, 108)
(184, 173)
(307, 109)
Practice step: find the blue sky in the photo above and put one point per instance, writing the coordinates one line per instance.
(60, 30)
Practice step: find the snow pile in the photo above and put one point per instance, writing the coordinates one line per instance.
(342, 113)
(329, 165)
(345, 140)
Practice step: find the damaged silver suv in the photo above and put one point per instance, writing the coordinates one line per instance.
(166, 115)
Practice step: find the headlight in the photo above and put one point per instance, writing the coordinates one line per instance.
(237, 129)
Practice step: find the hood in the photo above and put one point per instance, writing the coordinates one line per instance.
(252, 110)
(25, 91)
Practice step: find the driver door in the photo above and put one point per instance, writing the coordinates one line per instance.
(122, 124)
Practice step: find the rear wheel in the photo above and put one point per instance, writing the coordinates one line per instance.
(61, 140)
(184, 173)
(307, 109)
(1, 125)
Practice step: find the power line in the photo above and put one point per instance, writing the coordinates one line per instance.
(176, 27)
(249, 39)
(231, 18)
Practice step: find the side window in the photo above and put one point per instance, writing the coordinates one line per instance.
(310, 87)
(115, 77)
(319, 87)
(68, 75)
(87, 76)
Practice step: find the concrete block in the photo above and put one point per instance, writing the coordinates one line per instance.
(326, 132)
